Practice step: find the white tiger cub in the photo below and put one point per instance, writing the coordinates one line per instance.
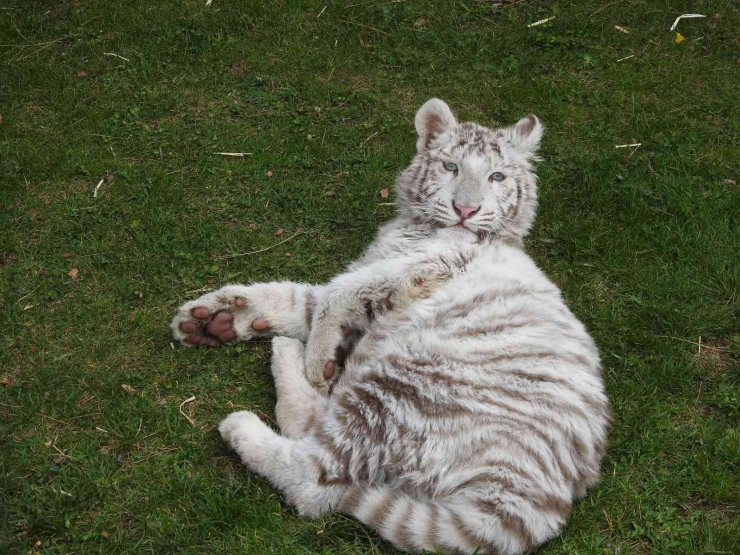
(446, 395)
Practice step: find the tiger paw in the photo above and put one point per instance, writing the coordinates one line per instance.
(220, 317)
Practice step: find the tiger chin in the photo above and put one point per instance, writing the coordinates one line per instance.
(439, 390)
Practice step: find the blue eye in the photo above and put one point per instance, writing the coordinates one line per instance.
(449, 166)
(497, 176)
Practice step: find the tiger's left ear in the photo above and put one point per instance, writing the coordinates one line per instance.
(525, 135)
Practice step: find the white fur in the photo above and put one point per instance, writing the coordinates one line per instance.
(472, 411)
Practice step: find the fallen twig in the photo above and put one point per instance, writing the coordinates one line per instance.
(694, 343)
(370, 137)
(296, 234)
(28, 294)
(54, 419)
(86, 415)
(626, 58)
(107, 179)
(602, 8)
(367, 4)
(98, 186)
(684, 16)
(237, 154)
(628, 146)
(116, 55)
(365, 26)
(63, 454)
(42, 46)
(188, 400)
(541, 21)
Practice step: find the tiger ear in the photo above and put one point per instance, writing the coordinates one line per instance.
(525, 135)
(432, 119)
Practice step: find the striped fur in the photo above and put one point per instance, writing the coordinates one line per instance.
(470, 412)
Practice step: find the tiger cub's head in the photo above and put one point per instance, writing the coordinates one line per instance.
(470, 176)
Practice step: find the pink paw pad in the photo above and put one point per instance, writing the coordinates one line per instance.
(220, 326)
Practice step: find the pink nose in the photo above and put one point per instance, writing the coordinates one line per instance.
(465, 212)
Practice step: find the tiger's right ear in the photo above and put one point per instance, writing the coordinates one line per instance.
(432, 119)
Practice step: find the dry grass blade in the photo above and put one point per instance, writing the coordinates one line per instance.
(701, 345)
(296, 234)
(364, 26)
(186, 401)
(115, 55)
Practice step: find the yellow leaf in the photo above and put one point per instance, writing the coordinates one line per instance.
(679, 38)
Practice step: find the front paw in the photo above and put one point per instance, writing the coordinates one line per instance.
(325, 357)
(320, 373)
(224, 316)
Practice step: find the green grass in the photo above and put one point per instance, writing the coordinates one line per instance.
(644, 243)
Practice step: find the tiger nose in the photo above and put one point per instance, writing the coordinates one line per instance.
(465, 212)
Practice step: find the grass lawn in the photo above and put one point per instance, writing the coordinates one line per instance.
(645, 243)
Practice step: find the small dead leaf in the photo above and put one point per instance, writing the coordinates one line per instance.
(81, 73)
(331, 194)
(104, 534)
(730, 182)
(622, 29)
(67, 255)
(717, 16)
(127, 387)
(279, 232)
(33, 348)
(420, 22)
(28, 307)
(679, 38)
(384, 193)
(1, 118)
(73, 273)
(5, 382)
(270, 174)
(43, 272)
(288, 254)
(108, 177)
